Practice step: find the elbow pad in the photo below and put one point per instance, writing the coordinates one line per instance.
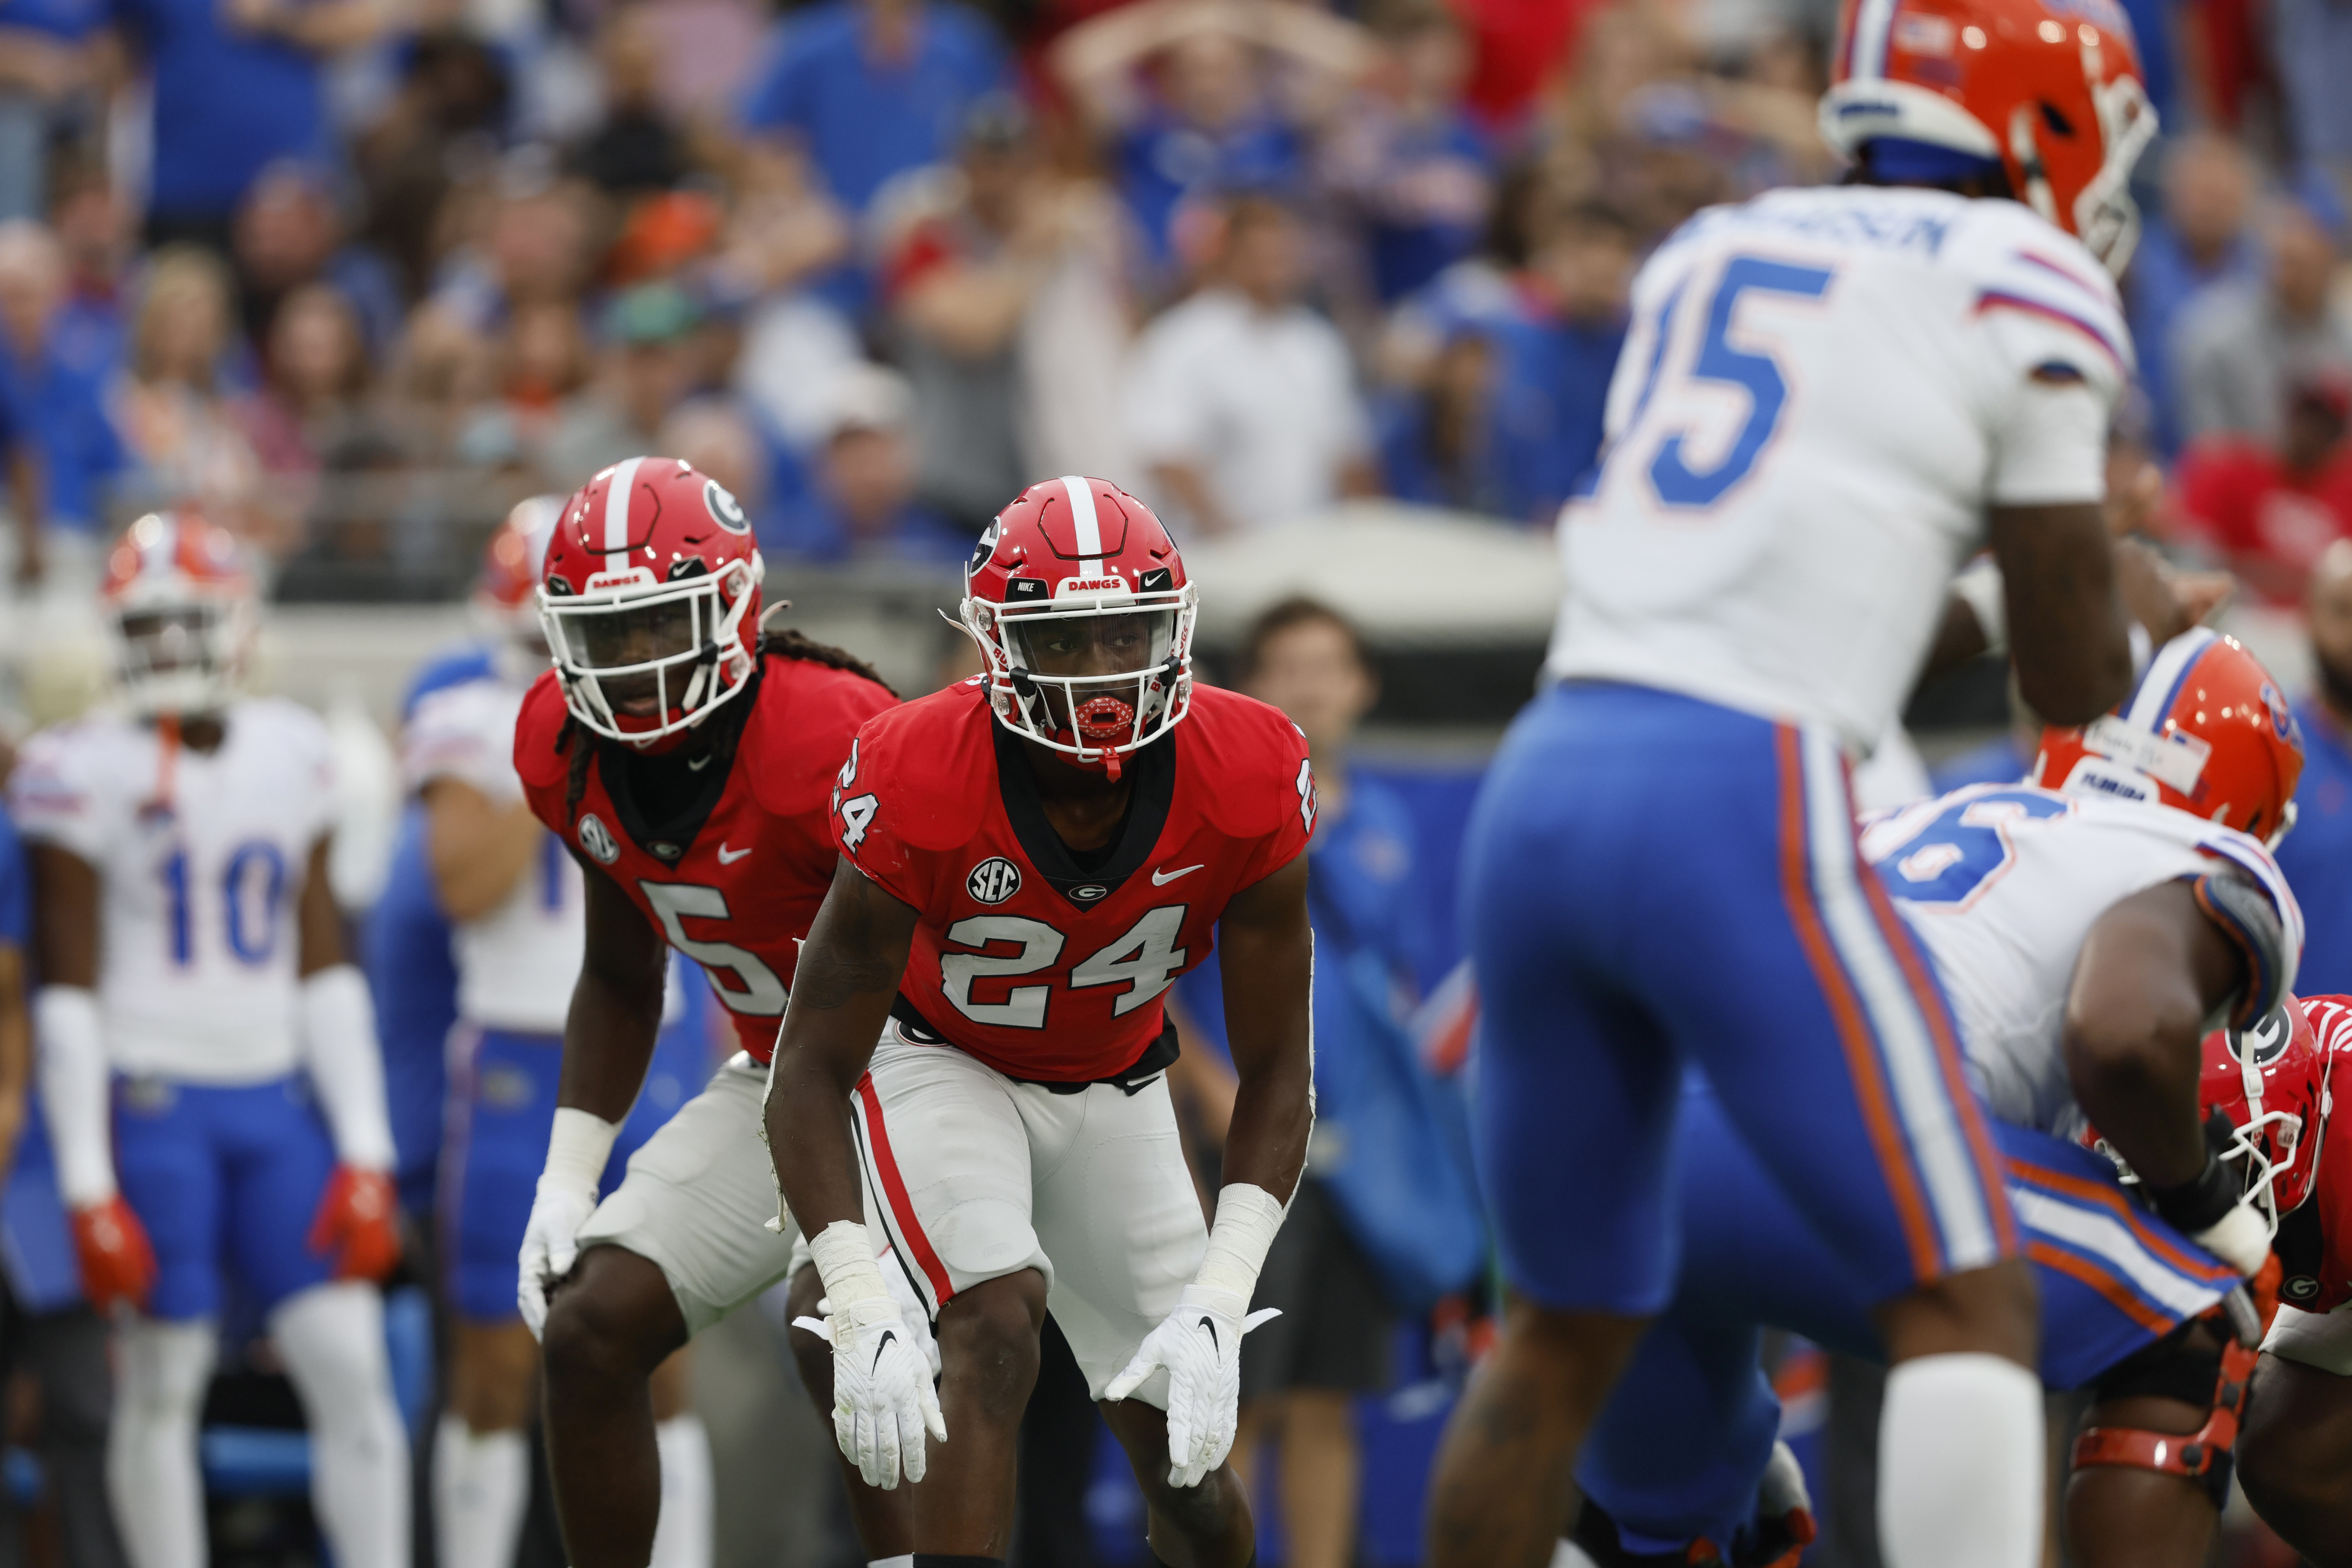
(71, 1068)
(2245, 913)
(346, 1067)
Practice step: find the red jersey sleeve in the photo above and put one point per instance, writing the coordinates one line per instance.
(544, 770)
(911, 791)
(1266, 797)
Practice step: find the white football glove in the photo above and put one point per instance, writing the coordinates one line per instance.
(1200, 1344)
(550, 1246)
(883, 1401)
(2240, 1239)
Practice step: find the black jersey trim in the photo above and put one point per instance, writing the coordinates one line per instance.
(670, 839)
(1157, 1058)
(1153, 769)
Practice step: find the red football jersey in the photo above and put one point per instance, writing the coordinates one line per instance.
(2314, 1242)
(1045, 965)
(735, 890)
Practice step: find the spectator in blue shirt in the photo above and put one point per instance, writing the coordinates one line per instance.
(873, 88)
(2199, 236)
(1206, 125)
(238, 85)
(862, 505)
(61, 401)
(1418, 172)
(2317, 856)
(45, 88)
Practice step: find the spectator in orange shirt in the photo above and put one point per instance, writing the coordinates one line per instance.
(2269, 514)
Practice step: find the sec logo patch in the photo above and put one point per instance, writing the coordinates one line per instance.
(993, 880)
(597, 839)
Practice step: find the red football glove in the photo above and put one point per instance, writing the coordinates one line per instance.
(117, 1263)
(356, 1223)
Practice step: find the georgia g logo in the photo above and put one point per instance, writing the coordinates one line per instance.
(2264, 1041)
(725, 510)
(597, 839)
(985, 547)
(993, 880)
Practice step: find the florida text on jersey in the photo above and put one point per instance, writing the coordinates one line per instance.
(1045, 965)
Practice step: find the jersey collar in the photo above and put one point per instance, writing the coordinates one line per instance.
(1154, 773)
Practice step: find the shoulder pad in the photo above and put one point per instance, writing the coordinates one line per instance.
(536, 728)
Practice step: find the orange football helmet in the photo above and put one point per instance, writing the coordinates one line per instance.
(181, 606)
(2205, 730)
(2048, 90)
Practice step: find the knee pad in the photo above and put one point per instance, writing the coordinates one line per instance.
(2189, 1365)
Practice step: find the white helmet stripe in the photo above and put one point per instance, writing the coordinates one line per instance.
(163, 546)
(1872, 24)
(616, 509)
(1082, 515)
(2152, 699)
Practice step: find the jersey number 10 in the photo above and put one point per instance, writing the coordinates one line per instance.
(253, 900)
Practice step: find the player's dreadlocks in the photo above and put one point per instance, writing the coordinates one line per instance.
(788, 643)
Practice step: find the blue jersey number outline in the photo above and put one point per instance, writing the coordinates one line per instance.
(1959, 851)
(252, 943)
(1672, 478)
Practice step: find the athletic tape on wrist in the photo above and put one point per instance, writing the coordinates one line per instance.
(72, 1074)
(347, 1065)
(577, 1149)
(844, 1261)
(1247, 1217)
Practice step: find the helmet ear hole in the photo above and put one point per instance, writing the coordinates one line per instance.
(2056, 120)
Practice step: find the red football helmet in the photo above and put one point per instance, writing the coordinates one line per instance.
(2206, 729)
(181, 604)
(2270, 1079)
(650, 597)
(2050, 90)
(1079, 600)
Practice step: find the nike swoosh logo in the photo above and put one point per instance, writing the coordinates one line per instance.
(888, 1335)
(1210, 1324)
(1161, 878)
(726, 858)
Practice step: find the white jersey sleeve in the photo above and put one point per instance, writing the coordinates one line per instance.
(516, 961)
(1821, 393)
(464, 732)
(2003, 883)
(64, 792)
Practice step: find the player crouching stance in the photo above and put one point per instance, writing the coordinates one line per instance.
(1023, 873)
(684, 757)
(193, 972)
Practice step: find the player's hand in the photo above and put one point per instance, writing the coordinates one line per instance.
(550, 1246)
(118, 1265)
(883, 1401)
(358, 1223)
(1200, 1344)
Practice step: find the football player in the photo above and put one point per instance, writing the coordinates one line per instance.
(2086, 923)
(2296, 1447)
(1827, 400)
(1028, 859)
(685, 758)
(207, 1057)
(514, 895)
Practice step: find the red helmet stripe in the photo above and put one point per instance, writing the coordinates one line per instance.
(616, 509)
(1089, 527)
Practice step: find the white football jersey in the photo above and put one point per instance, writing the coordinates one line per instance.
(201, 861)
(2003, 883)
(1821, 393)
(516, 964)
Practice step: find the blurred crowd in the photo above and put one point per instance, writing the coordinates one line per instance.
(346, 271)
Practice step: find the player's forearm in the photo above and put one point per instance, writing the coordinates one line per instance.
(478, 849)
(2068, 633)
(1272, 1113)
(809, 1139)
(608, 1042)
(74, 1090)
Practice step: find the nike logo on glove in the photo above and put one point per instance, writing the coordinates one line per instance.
(879, 1346)
(1161, 878)
(1210, 1324)
(725, 859)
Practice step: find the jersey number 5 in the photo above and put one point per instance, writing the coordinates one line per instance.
(1145, 960)
(761, 994)
(1718, 364)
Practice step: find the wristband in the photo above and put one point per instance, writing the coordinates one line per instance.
(74, 1082)
(2200, 1205)
(577, 1149)
(1247, 1217)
